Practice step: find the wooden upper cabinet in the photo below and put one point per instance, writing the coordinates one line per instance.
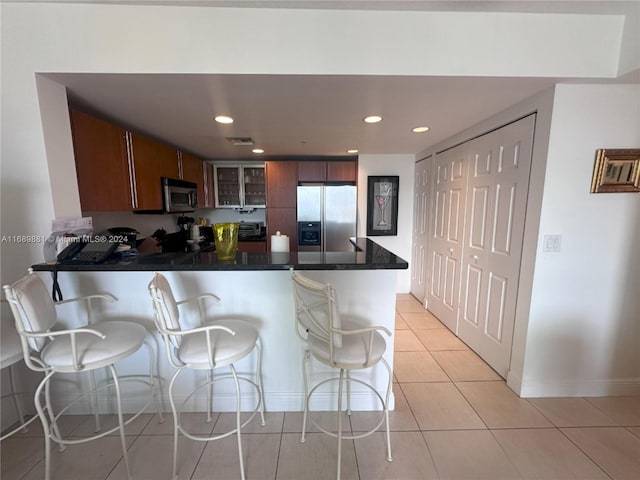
(118, 170)
(194, 170)
(309, 171)
(281, 184)
(209, 199)
(342, 171)
(101, 164)
(151, 160)
(329, 171)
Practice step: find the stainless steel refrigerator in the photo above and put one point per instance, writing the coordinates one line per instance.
(326, 217)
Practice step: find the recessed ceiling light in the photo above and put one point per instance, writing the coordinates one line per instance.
(257, 150)
(420, 129)
(372, 119)
(223, 119)
(352, 150)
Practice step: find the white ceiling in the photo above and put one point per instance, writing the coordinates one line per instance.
(290, 115)
(528, 6)
(312, 115)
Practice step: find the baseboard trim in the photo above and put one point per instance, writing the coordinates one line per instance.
(594, 388)
(226, 402)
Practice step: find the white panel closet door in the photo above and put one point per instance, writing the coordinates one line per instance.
(446, 236)
(498, 180)
(419, 249)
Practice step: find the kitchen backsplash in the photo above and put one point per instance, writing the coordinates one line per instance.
(147, 224)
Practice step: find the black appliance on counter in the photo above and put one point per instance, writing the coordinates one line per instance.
(250, 230)
(176, 242)
(126, 235)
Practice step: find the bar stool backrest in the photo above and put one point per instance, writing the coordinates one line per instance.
(317, 310)
(32, 308)
(167, 315)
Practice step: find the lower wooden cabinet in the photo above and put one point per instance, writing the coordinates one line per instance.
(260, 247)
(285, 221)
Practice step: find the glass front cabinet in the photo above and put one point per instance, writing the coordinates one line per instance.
(240, 185)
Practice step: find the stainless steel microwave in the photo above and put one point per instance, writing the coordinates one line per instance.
(179, 195)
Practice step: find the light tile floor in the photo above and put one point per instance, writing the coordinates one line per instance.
(454, 419)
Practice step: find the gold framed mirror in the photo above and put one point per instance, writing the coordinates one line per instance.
(616, 170)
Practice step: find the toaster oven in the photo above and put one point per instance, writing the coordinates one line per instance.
(249, 229)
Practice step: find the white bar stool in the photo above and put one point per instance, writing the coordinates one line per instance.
(10, 355)
(85, 349)
(207, 347)
(341, 344)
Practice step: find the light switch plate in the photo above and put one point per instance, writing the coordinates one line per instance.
(552, 243)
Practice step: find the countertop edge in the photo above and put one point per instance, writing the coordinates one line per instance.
(368, 255)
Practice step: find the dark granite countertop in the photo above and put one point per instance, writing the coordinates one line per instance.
(252, 239)
(366, 255)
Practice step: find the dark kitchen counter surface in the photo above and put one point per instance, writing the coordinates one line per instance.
(252, 239)
(366, 255)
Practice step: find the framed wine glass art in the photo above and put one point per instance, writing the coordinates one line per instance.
(382, 205)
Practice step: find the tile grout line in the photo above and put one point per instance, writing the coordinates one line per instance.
(475, 411)
(583, 452)
(554, 426)
(456, 387)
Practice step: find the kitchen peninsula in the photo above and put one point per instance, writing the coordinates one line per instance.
(255, 287)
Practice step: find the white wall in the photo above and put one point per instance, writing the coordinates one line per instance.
(403, 166)
(584, 325)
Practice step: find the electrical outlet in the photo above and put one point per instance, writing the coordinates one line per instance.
(552, 243)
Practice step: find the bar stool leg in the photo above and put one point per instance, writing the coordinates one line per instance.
(340, 380)
(45, 423)
(238, 423)
(54, 423)
(306, 396)
(176, 424)
(210, 396)
(152, 381)
(94, 401)
(17, 402)
(123, 441)
(259, 381)
(348, 393)
(386, 410)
